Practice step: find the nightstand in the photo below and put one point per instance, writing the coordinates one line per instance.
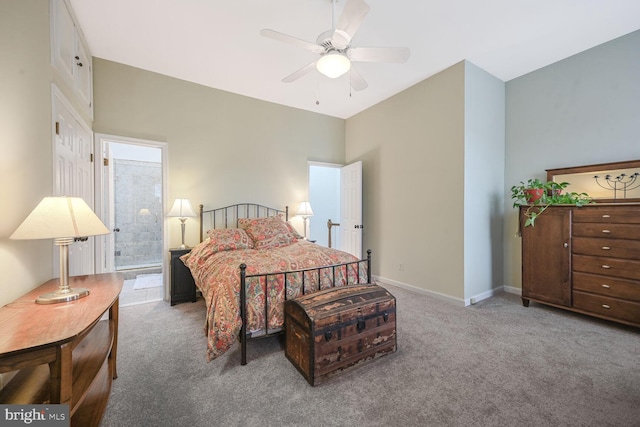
(183, 287)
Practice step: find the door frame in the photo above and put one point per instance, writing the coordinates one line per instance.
(347, 225)
(100, 139)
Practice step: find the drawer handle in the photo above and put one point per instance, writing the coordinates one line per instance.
(606, 231)
(606, 248)
(605, 266)
(606, 216)
(606, 286)
(605, 306)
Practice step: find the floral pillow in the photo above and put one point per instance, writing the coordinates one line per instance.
(291, 228)
(293, 231)
(228, 239)
(198, 254)
(269, 232)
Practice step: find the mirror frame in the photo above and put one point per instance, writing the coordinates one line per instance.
(602, 167)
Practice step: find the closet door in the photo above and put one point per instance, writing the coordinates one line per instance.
(73, 174)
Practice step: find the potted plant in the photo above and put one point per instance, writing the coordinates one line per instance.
(539, 195)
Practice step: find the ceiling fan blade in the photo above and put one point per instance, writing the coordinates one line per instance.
(301, 72)
(352, 16)
(357, 81)
(292, 40)
(379, 54)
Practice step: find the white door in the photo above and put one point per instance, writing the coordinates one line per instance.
(73, 170)
(351, 209)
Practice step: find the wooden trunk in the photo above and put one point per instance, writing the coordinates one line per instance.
(340, 328)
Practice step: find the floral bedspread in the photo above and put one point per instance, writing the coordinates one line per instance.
(217, 276)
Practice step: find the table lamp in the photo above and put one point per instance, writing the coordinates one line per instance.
(65, 220)
(182, 210)
(305, 212)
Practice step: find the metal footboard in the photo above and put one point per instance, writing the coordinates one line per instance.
(243, 291)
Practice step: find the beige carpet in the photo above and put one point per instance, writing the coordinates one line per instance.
(496, 363)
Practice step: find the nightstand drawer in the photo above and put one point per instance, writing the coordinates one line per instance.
(607, 286)
(613, 267)
(610, 248)
(607, 307)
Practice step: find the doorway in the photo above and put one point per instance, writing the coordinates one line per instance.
(335, 193)
(132, 200)
(324, 197)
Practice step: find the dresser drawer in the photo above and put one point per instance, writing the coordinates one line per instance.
(613, 267)
(612, 248)
(606, 230)
(607, 286)
(608, 214)
(607, 307)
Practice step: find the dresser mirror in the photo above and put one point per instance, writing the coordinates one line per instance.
(617, 182)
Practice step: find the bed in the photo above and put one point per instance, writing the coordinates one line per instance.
(249, 261)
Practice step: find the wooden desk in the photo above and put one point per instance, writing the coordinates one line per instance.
(79, 349)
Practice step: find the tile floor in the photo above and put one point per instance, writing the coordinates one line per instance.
(130, 296)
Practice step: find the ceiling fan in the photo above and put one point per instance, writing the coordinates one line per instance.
(334, 47)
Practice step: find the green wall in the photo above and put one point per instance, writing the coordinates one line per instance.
(223, 148)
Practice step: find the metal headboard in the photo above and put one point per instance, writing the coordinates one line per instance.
(228, 216)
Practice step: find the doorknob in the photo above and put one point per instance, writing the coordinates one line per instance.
(116, 230)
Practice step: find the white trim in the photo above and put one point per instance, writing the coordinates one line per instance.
(325, 164)
(457, 301)
(164, 150)
(482, 296)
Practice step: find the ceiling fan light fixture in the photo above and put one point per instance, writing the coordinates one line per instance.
(333, 64)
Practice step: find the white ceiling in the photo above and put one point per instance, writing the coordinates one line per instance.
(217, 43)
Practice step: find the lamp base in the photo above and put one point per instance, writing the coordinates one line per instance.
(62, 296)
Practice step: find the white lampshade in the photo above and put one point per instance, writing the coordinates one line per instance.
(64, 219)
(56, 217)
(333, 64)
(305, 210)
(182, 209)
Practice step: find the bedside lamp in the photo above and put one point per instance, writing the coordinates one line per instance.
(65, 220)
(182, 210)
(305, 212)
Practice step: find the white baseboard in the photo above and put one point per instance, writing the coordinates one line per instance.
(411, 288)
(458, 301)
(512, 290)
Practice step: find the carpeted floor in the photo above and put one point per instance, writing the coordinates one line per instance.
(496, 363)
